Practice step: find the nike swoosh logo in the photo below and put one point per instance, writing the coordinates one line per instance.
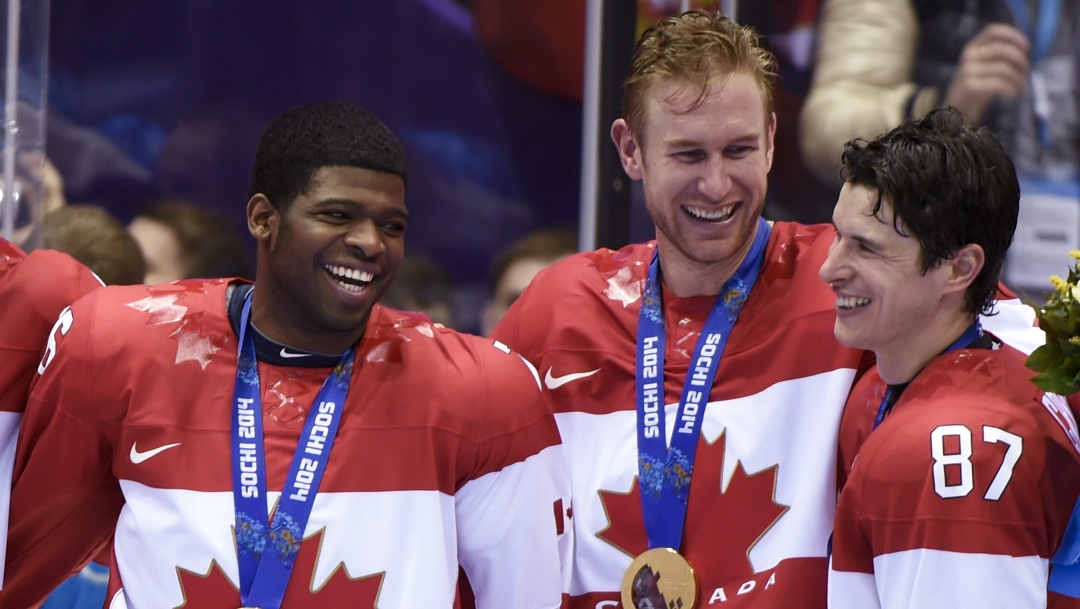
(284, 353)
(554, 382)
(138, 457)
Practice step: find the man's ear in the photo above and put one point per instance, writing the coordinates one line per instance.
(630, 153)
(262, 218)
(965, 266)
(770, 137)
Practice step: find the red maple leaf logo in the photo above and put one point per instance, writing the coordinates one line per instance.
(722, 526)
(213, 588)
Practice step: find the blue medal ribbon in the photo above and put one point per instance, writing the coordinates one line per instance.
(664, 473)
(970, 335)
(267, 551)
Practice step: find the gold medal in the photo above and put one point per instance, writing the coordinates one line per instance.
(659, 578)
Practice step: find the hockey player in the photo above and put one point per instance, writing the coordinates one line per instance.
(289, 443)
(962, 492)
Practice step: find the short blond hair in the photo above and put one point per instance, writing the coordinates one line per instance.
(695, 47)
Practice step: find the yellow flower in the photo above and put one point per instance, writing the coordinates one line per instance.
(1056, 362)
(1059, 284)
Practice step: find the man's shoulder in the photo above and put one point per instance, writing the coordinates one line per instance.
(413, 338)
(799, 245)
(597, 267)
(789, 289)
(465, 382)
(132, 311)
(964, 392)
(10, 253)
(574, 290)
(189, 294)
(47, 275)
(998, 372)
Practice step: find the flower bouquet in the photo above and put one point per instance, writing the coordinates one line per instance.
(1058, 361)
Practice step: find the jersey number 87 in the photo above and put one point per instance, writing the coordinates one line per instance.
(961, 459)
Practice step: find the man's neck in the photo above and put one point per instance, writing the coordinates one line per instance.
(686, 278)
(267, 340)
(900, 364)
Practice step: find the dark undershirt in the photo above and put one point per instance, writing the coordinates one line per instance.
(267, 349)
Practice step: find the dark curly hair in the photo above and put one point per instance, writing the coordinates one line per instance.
(949, 185)
(305, 139)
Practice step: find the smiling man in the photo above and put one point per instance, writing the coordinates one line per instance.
(290, 443)
(965, 484)
(696, 381)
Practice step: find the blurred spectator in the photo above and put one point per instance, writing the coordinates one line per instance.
(94, 168)
(420, 285)
(180, 241)
(92, 236)
(52, 183)
(1010, 65)
(540, 43)
(205, 158)
(515, 267)
(880, 61)
(789, 30)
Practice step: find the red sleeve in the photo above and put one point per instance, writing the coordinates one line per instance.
(857, 422)
(64, 500)
(33, 291)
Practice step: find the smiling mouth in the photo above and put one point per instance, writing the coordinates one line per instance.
(850, 303)
(710, 214)
(351, 280)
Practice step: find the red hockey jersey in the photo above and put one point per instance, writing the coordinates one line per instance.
(34, 289)
(762, 494)
(446, 454)
(962, 494)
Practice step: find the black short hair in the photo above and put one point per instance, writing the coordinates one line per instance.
(305, 139)
(949, 184)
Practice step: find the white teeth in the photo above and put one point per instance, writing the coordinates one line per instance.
(851, 303)
(717, 214)
(350, 278)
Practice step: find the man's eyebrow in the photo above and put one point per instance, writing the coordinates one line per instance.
(749, 136)
(397, 211)
(867, 241)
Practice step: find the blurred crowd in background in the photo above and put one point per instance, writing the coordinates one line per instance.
(153, 112)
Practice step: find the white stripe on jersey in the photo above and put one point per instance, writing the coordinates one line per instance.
(1015, 325)
(926, 579)
(505, 553)
(783, 426)
(161, 530)
(850, 590)
(9, 431)
(411, 536)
